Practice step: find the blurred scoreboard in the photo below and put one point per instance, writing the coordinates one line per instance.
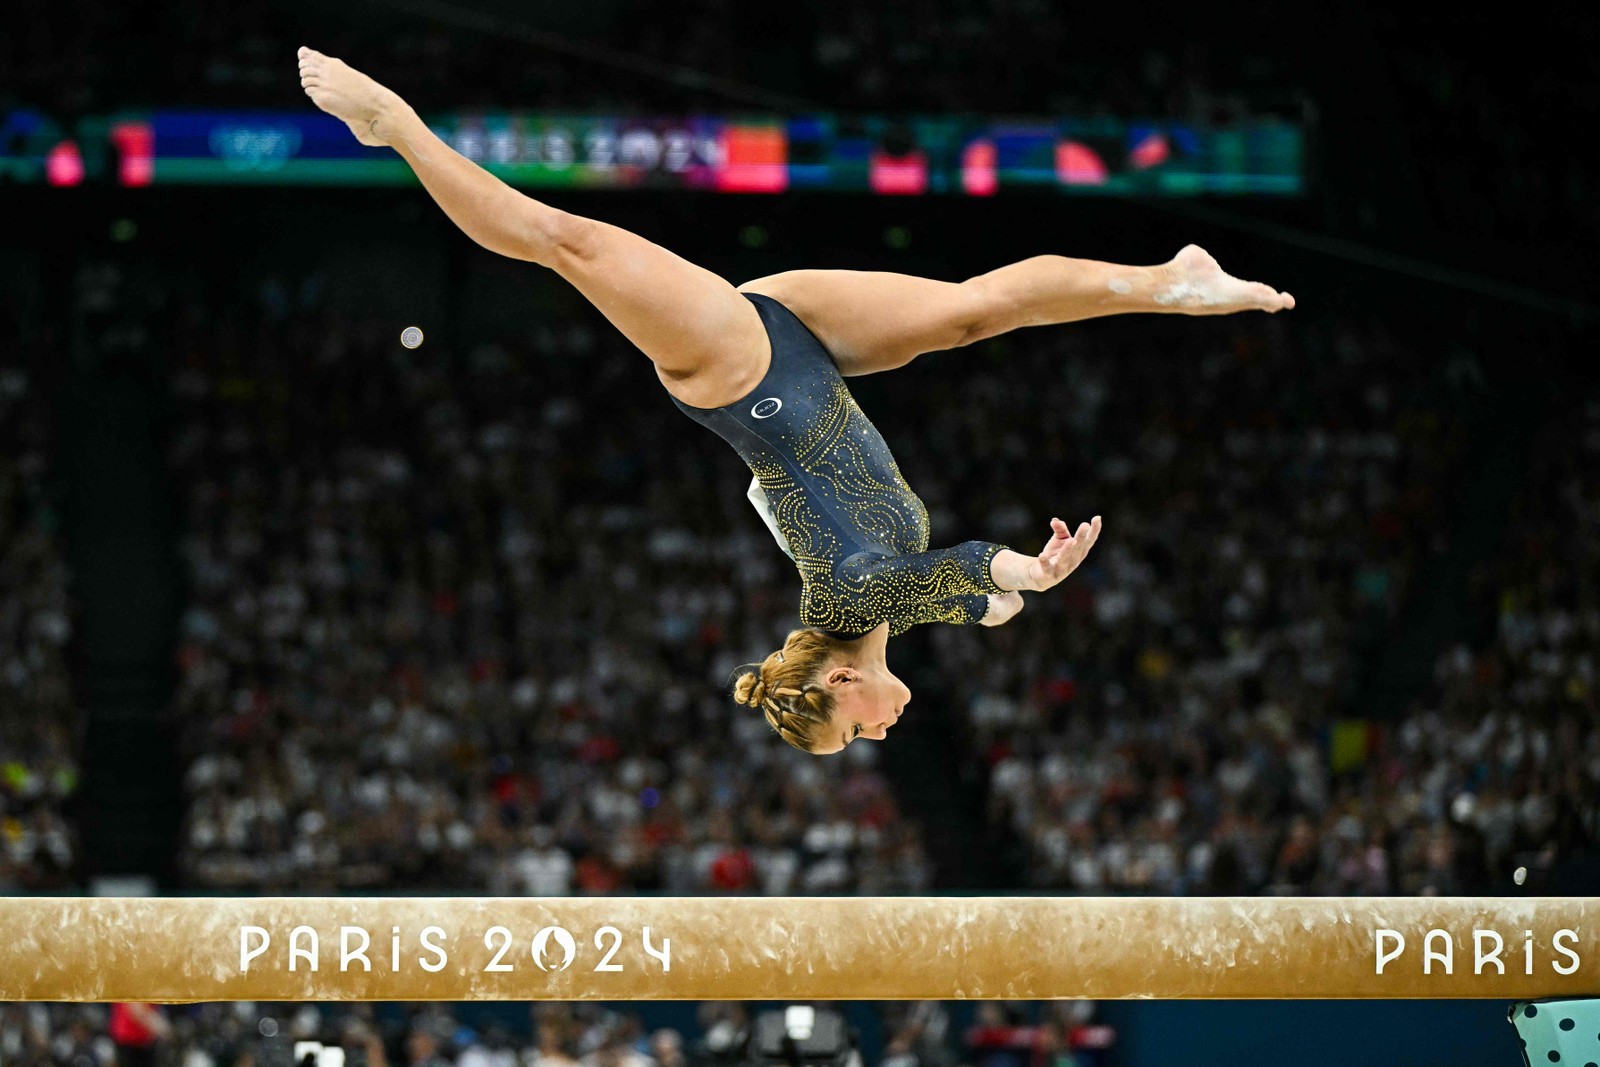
(907, 157)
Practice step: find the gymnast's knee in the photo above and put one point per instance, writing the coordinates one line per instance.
(980, 312)
(553, 237)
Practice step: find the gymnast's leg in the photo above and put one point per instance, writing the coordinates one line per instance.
(872, 321)
(706, 340)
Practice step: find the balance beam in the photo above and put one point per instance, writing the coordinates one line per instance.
(786, 948)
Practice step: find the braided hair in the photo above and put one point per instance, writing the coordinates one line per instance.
(785, 687)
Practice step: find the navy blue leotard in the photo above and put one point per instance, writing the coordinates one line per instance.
(855, 530)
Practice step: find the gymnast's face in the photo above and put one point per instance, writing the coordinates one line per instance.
(867, 700)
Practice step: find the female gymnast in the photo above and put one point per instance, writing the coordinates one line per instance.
(763, 365)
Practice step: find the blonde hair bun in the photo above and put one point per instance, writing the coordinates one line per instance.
(750, 690)
(787, 689)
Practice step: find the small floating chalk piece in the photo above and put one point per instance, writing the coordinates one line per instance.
(411, 337)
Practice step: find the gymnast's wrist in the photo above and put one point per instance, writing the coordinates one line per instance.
(1009, 571)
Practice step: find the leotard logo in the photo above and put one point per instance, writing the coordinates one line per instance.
(767, 408)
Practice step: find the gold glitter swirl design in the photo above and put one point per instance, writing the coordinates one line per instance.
(851, 473)
(894, 588)
(958, 610)
(843, 451)
(857, 532)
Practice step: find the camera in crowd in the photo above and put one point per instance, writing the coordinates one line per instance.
(284, 1051)
(802, 1036)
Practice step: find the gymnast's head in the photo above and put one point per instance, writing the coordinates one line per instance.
(821, 693)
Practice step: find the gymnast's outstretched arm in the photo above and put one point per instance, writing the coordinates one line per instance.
(873, 321)
(706, 340)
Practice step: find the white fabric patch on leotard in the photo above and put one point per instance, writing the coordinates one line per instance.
(758, 497)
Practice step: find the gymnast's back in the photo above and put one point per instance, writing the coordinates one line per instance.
(832, 494)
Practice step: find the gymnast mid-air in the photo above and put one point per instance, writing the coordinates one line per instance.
(764, 365)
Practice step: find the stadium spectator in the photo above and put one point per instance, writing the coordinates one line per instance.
(138, 1031)
(41, 725)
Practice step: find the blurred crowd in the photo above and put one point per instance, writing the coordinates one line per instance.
(450, 625)
(39, 720)
(1012, 56)
(1027, 57)
(713, 1034)
(1496, 168)
(1528, 777)
(442, 600)
(1188, 721)
(264, 1035)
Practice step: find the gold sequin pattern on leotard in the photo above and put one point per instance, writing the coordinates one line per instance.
(850, 472)
(876, 590)
(836, 497)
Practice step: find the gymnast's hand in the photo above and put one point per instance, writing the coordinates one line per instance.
(1003, 607)
(1013, 570)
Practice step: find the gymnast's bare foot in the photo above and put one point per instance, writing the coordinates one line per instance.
(1195, 285)
(349, 95)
